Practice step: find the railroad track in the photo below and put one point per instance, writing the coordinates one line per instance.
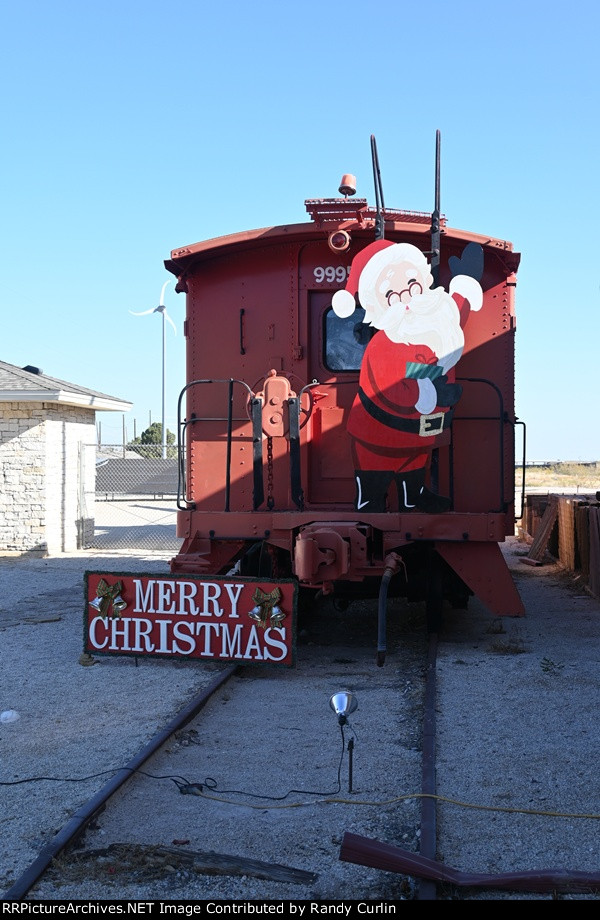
(274, 781)
(253, 792)
(85, 815)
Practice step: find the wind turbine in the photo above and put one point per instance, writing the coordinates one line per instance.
(165, 316)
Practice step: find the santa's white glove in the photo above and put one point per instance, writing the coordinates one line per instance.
(468, 288)
(427, 400)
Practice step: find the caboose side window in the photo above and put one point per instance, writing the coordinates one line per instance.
(344, 340)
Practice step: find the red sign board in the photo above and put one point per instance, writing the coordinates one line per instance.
(243, 620)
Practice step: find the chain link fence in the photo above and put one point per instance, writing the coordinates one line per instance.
(135, 501)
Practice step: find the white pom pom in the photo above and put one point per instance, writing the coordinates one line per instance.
(470, 289)
(343, 304)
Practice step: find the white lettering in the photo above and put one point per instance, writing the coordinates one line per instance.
(231, 645)
(253, 644)
(180, 598)
(188, 618)
(163, 648)
(143, 601)
(271, 641)
(143, 628)
(120, 627)
(207, 628)
(331, 273)
(187, 593)
(92, 632)
(234, 592)
(177, 634)
(212, 592)
(165, 596)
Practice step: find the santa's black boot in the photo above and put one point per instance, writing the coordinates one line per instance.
(371, 489)
(413, 494)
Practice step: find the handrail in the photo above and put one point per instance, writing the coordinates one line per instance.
(185, 503)
(182, 426)
(501, 418)
(523, 466)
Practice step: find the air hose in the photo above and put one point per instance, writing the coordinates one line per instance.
(392, 564)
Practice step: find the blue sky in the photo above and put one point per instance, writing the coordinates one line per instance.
(132, 128)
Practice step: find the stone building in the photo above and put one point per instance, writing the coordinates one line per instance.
(47, 460)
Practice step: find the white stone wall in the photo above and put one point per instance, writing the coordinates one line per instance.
(41, 445)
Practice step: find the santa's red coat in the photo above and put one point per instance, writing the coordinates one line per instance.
(384, 381)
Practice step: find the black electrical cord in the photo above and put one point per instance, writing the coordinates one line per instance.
(210, 784)
(83, 779)
(183, 784)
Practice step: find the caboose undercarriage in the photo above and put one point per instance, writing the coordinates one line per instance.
(431, 558)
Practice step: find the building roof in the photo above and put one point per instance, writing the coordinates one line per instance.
(30, 384)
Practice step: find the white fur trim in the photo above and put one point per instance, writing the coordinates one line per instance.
(470, 289)
(343, 304)
(427, 400)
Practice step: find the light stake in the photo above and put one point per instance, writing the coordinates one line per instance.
(343, 704)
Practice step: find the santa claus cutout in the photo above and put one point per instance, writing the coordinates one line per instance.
(407, 390)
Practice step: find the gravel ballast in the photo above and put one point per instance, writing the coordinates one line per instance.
(517, 732)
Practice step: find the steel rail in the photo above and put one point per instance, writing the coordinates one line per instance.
(427, 890)
(73, 828)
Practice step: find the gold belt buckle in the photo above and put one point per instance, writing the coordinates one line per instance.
(426, 426)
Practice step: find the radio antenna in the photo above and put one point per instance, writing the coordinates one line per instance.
(379, 222)
(436, 218)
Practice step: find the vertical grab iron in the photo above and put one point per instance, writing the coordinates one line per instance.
(379, 203)
(435, 269)
(436, 217)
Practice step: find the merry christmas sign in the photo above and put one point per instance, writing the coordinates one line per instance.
(241, 620)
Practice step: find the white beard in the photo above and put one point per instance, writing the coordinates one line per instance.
(430, 319)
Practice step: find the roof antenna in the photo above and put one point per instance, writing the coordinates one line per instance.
(379, 222)
(435, 218)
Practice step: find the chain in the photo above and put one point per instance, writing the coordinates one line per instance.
(270, 499)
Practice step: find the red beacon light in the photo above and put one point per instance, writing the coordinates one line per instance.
(347, 185)
(339, 240)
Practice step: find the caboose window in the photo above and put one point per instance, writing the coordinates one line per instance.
(344, 340)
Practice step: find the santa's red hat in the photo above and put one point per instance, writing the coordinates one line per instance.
(344, 302)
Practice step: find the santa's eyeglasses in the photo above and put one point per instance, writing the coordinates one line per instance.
(413, 289)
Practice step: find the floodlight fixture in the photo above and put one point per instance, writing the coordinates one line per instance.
(343, 703)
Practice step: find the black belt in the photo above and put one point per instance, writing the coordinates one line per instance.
(425, 425)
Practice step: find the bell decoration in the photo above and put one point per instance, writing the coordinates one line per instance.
(107, 597)
(266, 612)
(277, 616)
(255, 614)
(119, 605)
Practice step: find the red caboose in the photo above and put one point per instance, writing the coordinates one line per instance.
(277, 473)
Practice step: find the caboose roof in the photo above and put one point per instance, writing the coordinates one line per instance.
(329, 214)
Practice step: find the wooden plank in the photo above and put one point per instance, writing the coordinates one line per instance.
(222, 864)
(129, 858)
(566, 533)
(540, 540)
